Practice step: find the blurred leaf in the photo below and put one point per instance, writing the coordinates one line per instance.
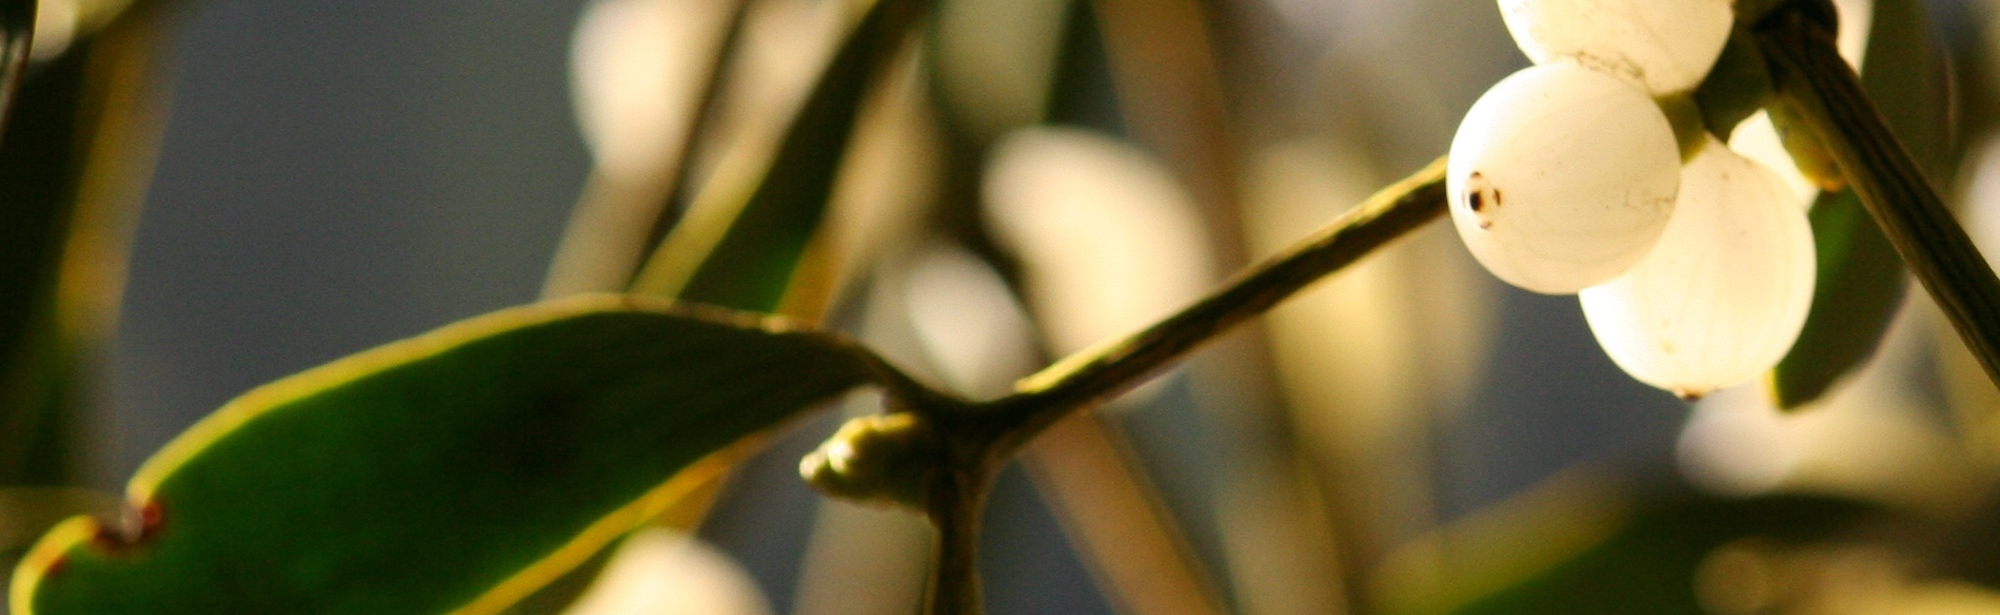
(1859, 288)
(1736, 87)
(1913, 87)
(1649, 565)
(456, 471)
(1750, 11)
(994, 63)
(17, 33)
(28, 512)
(1577, 549)
(40, 159)
(1861, 280)
(80, 144)
(561, 592)
(745, 234)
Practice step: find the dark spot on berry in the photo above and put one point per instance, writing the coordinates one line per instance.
(1481, 198)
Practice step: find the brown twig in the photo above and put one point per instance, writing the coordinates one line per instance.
(957, 499)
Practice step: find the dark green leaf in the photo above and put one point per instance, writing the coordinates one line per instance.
(745, 234)
(40, 162)
(1860, 285)
(1861, 278)
(1913, 88)
(1586, 552)
(1736, 87)
(1751, 11)
(17, 33)
(80, 136)
(452, 472)
(1649, 565)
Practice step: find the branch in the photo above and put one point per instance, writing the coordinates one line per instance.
(1810, 78)
(937, 453)
(978, 438)
(969, 441)
(1101, 373)
(957, 500)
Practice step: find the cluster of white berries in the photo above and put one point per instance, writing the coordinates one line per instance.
(1566, 177)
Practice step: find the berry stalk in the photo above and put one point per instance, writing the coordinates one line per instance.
(1810, 78)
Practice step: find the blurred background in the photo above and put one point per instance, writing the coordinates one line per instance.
(1035, 176)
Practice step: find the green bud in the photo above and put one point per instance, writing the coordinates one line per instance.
(882, 459)
(1808, 152)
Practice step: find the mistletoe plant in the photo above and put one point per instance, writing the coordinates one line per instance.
(372, 484)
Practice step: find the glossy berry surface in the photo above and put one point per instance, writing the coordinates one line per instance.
(1665, 46)
(1725, 292)
(1561, 178)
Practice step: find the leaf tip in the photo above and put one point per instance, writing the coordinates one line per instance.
(1793, 394)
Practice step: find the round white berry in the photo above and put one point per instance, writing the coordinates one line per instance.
(1666, 46)
(1561, 178)
(1724, 293)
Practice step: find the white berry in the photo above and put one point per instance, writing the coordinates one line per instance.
(1723, 295)
(1562, 178)
(1666, 46)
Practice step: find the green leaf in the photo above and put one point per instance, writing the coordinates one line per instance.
(1577, 548)
(1861, 280)
(559, 594)
(1736, 87)
(744, 236)
(456, 471)
(1860, 285)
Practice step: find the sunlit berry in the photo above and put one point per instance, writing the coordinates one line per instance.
(1562, 178)
(1666, 46)
(1723, 295)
